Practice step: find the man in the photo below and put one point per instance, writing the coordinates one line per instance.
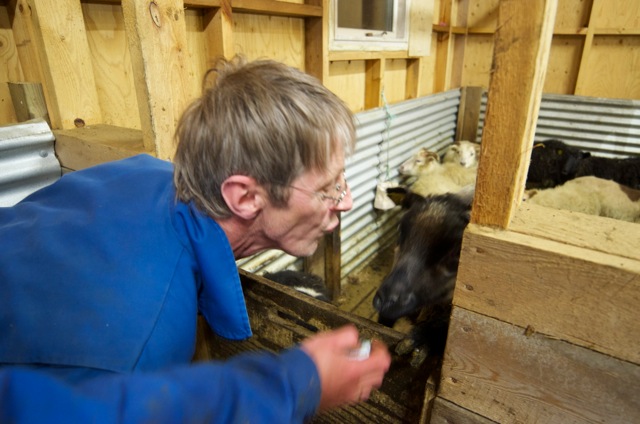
(104, 271)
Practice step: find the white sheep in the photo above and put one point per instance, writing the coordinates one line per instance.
(418, 162)
(463, 152)
(432, 177)
(590, 195)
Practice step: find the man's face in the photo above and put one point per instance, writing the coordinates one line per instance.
(312, 210)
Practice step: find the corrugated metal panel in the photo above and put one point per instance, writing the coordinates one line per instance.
(386, 137)
(27, 160)
(605, 127)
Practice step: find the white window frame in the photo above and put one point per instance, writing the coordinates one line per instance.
(349, 39)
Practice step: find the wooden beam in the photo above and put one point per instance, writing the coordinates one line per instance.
(316, 42)
(413, 84)
(28, 101)
(163, 72)
(218, 32)
(374, 74)
(88, 146)
(514, 277)
(583, 69)
(511, 374)
(421, 21)
(520, 58)
(258, 7)
(469, 113)
(69, 84)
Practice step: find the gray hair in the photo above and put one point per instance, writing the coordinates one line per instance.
(261, 119)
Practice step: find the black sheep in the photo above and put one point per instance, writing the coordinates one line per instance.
(625, 171)
(553, 162)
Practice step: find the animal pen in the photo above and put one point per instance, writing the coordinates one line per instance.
(544, 325)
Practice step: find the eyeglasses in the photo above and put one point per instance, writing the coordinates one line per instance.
(340, 187)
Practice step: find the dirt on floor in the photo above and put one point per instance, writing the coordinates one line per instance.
(357, 295)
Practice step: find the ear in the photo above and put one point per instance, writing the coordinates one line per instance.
(243, 195)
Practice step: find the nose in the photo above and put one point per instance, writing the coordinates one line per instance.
(346, 203)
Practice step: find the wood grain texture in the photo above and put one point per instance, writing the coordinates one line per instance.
(164, 76)
(281, 317)
(520, 59)
(111, 64)
(508, 375)
(88, 146)
(586, 297)
(69, 83)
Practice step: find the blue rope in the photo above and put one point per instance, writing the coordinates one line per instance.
(389, 117)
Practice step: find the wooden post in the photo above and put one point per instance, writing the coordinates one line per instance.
(469, 113)
(163, 72)
(374, 73)
(69, 84)
(521, 53)
(28, 101)
(218, 30)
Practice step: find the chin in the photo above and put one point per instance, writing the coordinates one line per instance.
(303, 251)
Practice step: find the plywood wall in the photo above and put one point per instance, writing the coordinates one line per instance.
(595, 49)
(595, 52)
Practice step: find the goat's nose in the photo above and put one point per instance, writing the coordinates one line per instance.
(378, 302)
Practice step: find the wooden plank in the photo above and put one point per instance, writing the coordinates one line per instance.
(586, 297)
(218, 31)
(83, 147)
(316, 42)
(28, 101)
(414, 84)
(264, 7)
(605, 235)
(420, 22)
(25, 40)
(163, 72)
(469, 113)
(111, 64)
(444, 49)
(520, 60)
(282, 317)
(69, 83)
(374, 73)
(586, 50)
(445, 412)
(508, 375)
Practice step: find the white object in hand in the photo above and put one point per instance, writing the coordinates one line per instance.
(362, 352)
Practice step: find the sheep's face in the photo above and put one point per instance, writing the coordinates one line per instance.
(426, 259)
(464, 153)
(422, 161)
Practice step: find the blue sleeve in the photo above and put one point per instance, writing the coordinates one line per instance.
(257, 387)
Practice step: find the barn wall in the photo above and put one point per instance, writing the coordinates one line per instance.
(605, 127)
(595, 47)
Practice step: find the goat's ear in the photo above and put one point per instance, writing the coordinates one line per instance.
(397, 194)
(410, 198)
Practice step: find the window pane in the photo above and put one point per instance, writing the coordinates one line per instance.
(366, 14)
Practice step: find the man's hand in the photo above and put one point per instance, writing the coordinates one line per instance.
(345, 380)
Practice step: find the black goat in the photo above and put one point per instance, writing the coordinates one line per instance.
(420, 284)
